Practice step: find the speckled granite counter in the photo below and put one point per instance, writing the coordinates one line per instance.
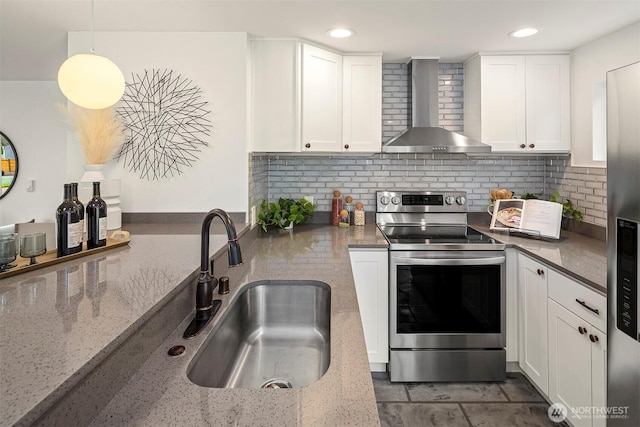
(161, 393)
(580, 257)
(60, 323)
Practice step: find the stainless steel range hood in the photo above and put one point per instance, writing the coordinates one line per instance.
(424, 135)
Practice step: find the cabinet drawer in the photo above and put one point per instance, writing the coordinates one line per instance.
(578, 299)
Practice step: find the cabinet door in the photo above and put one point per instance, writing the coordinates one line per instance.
(362, 103)
(547, 103)
(321, 99)
(599, 375)
(570, 362)
(503, 102)
(276, 95)
(371, 274)
(533, 320)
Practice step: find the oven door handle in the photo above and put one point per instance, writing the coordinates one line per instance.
(451, 261)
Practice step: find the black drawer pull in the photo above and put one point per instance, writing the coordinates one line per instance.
(593, 338)
(582, 303)
(582, 330)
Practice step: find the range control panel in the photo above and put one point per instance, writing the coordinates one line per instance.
(627, 277)
(421, 201)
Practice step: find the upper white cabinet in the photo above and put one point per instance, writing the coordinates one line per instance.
(518, 103)
(362, 103)
(308, 99)
(276, 95)
(321, 99)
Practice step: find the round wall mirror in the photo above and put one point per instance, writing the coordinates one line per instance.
(9, 159)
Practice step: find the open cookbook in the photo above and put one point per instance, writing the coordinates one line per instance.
(532, 216)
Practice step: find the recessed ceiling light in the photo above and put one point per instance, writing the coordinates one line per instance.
(524, 32)
(340, 33)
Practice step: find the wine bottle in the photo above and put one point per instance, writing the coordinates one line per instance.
(68, 225)
(96, 220)
(83, 226)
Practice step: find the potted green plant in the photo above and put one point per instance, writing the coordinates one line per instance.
(569, 210)
(284, 213)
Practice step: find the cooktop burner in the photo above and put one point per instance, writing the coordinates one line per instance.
(429, 220)
(445, 237)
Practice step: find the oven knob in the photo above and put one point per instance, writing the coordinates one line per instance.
(449, 200)
(461, 200)
(384, 200)
(395, 200)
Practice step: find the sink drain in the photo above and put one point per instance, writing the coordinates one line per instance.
(276, 383)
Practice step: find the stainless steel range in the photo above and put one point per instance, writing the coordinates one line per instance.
(447, 290)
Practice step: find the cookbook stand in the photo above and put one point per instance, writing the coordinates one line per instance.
(530, 234)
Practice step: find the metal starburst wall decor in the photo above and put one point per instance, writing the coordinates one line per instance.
(165, 119)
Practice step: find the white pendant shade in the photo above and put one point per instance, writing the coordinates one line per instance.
(91, 81)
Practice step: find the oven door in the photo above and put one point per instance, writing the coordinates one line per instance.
(447, 299)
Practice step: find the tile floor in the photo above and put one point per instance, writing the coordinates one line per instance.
(514, 402)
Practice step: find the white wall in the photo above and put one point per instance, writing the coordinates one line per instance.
(217, 63)
(29, 117)
(589, 64)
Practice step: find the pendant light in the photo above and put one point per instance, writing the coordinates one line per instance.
(89, 80)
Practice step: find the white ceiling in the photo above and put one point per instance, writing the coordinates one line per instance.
(33, 32)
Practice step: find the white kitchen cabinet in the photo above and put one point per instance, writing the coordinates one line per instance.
(275, 95)
(321, 99)
(577, 347)
(518, 103)
(308, 99)
(577, 365)
(362, 103)
(371, 274)
(532, 293)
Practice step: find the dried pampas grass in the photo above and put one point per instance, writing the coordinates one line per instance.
(100, 132)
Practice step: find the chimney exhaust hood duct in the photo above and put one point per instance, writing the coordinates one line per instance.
(424, 135)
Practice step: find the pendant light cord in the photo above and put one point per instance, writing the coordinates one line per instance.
(92, 18)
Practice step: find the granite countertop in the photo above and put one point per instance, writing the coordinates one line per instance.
(344, 395)
(60, 322)
(578, 256)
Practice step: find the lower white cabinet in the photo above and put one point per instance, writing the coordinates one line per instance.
(532, 310)
(562, 348)
(371, 274)
(577, 366)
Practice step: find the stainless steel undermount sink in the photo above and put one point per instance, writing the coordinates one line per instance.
(275, 334)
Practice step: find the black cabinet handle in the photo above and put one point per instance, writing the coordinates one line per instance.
(532, 146)
(522, 146)
(593, 338)
(540, 272)
(584, 304)
(307, 145)
(346, 146)
(582, 330)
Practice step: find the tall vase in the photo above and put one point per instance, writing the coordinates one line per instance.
(93, 173)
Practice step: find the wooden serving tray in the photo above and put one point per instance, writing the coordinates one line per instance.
(51, 257)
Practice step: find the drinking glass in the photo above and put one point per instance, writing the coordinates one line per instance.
(8, 250)
(33, 245)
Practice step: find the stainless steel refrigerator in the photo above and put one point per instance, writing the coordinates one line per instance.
(623, 229)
